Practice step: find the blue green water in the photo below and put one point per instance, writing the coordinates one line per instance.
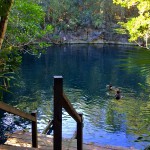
(86, 70)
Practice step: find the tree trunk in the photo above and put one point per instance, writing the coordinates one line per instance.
(3, 27)
(4, 22)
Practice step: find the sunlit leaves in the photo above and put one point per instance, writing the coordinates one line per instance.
(144, 7)
(137, 27)
(26, 23)
(127, 3)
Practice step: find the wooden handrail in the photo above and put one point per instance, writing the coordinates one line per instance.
(61, 101)
(69, 108)
(32, 117)
(12, 110)
(47, 128)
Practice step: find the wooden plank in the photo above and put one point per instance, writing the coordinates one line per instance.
(58, 90)
(50, 123)
(11, 109)
(69, 108)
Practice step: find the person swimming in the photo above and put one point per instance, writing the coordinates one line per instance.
(110, 87)
(115, 91)
(118, 95)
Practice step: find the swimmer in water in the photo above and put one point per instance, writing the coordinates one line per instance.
(110, 87)
(118, 95)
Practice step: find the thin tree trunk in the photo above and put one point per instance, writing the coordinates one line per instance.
(4, 22)
(3, 27)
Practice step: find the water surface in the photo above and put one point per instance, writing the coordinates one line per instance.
(86, 70)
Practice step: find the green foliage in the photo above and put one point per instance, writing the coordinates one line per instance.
(62, 13)
(4, 5)
(70, 14)
(97, 20)
(25, 24)
(137, 27)
(10, 61)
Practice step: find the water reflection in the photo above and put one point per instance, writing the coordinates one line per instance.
(87, 69)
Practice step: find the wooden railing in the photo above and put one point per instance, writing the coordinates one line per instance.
(61, 101)
(32, 117)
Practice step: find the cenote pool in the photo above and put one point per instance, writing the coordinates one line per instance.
(86, 70)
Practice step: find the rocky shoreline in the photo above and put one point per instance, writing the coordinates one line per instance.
(87, 36)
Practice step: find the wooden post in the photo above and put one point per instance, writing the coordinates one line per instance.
(58, 92)
(80, 133)
(34, 131)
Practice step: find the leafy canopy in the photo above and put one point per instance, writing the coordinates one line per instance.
(4, 5)
(25, 24)
(138, 27)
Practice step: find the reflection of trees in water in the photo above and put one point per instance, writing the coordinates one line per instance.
(86, 72)
(129, 115)
(9, 65)
(138, 63)
(136, 116)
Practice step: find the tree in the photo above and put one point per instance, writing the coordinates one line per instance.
(25, 24)
(138, 27)
(5, 7)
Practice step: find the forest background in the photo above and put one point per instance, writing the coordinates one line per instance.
(29, 25)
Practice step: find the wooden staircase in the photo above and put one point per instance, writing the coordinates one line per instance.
(24, 140)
